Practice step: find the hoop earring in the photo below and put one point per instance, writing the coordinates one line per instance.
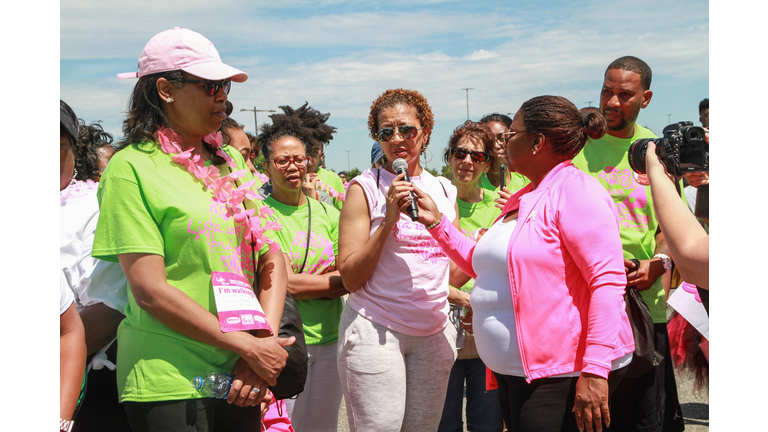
(423, 153)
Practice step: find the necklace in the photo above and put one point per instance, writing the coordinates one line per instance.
(222, 187)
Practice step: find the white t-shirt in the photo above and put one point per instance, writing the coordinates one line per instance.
(91, 280)
(408, 291)
(493, 313)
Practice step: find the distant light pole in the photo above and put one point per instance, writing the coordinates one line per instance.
(256, 119)
(467, 91)
(669, 118)
(349, 167)
(589, 103)
(99, 121)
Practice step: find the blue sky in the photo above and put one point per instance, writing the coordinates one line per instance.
(339, 56)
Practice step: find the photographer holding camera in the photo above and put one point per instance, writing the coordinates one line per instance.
(687, 241)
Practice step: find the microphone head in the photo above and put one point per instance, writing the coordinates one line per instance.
(400, 165)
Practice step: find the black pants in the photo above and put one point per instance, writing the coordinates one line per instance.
(192, 415)
(544, 405)
(649, 402)
(100, 410)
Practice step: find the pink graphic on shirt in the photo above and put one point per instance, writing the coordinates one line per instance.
(318, 244)
(419, 242)
(232, 255)
(622, 184)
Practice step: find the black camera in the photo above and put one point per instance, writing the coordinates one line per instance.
(682, 149)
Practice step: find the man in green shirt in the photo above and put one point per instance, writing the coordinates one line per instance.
(648, 402)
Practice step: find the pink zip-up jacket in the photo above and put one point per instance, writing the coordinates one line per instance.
(566, 270)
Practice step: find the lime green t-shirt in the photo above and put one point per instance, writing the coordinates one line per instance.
(152, 205)
(606, 160)
(319, 316)
(332, 180)
(516, 182)
(473, 216)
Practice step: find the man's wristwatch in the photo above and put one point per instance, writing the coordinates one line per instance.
(665, 261)
(66, 425)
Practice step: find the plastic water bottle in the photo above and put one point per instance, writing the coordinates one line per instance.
(214, 384)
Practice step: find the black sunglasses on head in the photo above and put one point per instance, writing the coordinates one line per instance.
(212, 87)
(477, 156)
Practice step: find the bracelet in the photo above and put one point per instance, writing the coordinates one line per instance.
(435, 223)
(66, 425)
(665, 261)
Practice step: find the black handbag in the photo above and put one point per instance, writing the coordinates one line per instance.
(645, 356)
(292, 378)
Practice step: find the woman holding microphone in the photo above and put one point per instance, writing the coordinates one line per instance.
(396, 348)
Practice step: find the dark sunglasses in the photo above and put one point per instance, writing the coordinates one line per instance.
(283, 164)
(477, 156)
(406, 132)
(212, 87)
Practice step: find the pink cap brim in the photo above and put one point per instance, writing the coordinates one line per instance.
(216, 71)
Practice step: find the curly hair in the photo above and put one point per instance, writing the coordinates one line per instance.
(565, 127)
(393, 97)
(473, 131)
(305, 123)
(145, 116)
(89, 140)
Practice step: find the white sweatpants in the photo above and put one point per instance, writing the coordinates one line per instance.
(317, 407)
(392, 381)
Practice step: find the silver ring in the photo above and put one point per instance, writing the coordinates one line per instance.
(255, 390)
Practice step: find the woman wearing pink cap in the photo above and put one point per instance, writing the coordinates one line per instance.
(178, 214)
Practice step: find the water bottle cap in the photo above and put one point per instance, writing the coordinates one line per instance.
(197, 383)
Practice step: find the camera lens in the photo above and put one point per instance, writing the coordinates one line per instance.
(636, 155)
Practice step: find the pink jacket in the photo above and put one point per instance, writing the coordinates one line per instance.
(566, 269)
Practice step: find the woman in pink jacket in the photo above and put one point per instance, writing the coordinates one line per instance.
(549, 316)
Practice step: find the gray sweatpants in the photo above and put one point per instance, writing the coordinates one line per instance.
(392, 381)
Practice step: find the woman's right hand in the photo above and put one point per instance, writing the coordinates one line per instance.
(267, 357)
(398, 198)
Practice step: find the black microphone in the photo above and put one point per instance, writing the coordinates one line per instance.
(503, 177)
(401, 166)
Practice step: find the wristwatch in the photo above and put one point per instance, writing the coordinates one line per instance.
(66, 425)
(665, 261)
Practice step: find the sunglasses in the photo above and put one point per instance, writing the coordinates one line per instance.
(212, 87)
(477, 156)
(406, 132)
(282, 164)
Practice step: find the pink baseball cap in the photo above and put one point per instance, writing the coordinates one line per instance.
(183, 49)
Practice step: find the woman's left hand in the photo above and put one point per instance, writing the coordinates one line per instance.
(591, 404)
(245, 381)
(428, 211)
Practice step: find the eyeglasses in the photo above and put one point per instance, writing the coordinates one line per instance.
(477, 156)
(508, 136)
(212, 87)
(282, 164)
(406, 132)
